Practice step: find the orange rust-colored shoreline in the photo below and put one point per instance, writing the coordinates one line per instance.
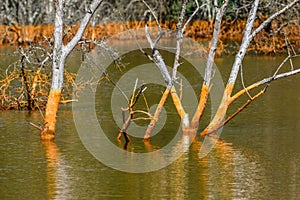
(198, 30)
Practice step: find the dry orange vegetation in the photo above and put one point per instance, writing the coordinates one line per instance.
(28, 89)
(198, 30)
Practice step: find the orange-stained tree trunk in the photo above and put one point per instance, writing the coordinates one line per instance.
(225, 102)
(50, 118)
(60, 53)
(221, 112)
(209, 66)
(218, 120)
(156, 114)
(249, 33)
(48, 132)
(201, 106)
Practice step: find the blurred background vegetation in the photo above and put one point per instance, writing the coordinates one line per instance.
(37, 12)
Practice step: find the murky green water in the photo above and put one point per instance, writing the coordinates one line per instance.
(258, 158)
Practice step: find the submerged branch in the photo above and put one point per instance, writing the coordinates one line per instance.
(131, 103)
(36, 126)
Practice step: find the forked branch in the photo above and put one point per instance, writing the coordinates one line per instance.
(132, 102)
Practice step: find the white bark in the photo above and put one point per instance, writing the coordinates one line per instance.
(178, 41)
(158, 60)
(245, 43)
(217, 121)
(214, 42)
(278, 76)
(58, 62)
(180, 31)
(249, 35)
(61, 51)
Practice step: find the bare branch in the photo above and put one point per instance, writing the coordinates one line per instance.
(136, 41)
(178, 41)
(70, 46)
(288, 50)
(36, 126)
(240, 109)
(133, 92)
(108, 77)
(245, 43)
(157, 23)
(158, 60)
(192, 16)
(214, 43)
(267, 21)
(268, 80)
(154, 15)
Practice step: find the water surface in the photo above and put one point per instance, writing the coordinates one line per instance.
(258, 158)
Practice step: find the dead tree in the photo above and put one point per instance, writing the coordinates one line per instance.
(249, 34)
(131, 103)
(60, 53)
(227, 99)
(181, 26)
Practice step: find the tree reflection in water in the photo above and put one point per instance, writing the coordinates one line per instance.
(58, 181)
(225, 173)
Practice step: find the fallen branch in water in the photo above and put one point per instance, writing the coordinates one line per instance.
(36, 126)
(131, 103)
(68, 101)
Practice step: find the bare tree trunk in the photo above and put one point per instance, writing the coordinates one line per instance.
(218, 119)
(227, 99)
(209, 66)
(50, 117)
(222, 110)
(60, 53)
(157, 59)
(57, 76)
(156, 114)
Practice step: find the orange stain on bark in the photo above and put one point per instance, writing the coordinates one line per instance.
(51, 111)
(177, 103)
(214, 125)
(201, 106)
(156, 114)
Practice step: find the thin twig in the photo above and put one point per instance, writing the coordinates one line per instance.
(181, 90)
(135, 39)
(108, 78)
(288, 50)
(133, 91)
(154, 15)
(268, 80)
(36, 126)
(243, 83)
(192, 16)
(146, 102)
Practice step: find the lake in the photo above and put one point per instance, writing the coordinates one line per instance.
(258, 156)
